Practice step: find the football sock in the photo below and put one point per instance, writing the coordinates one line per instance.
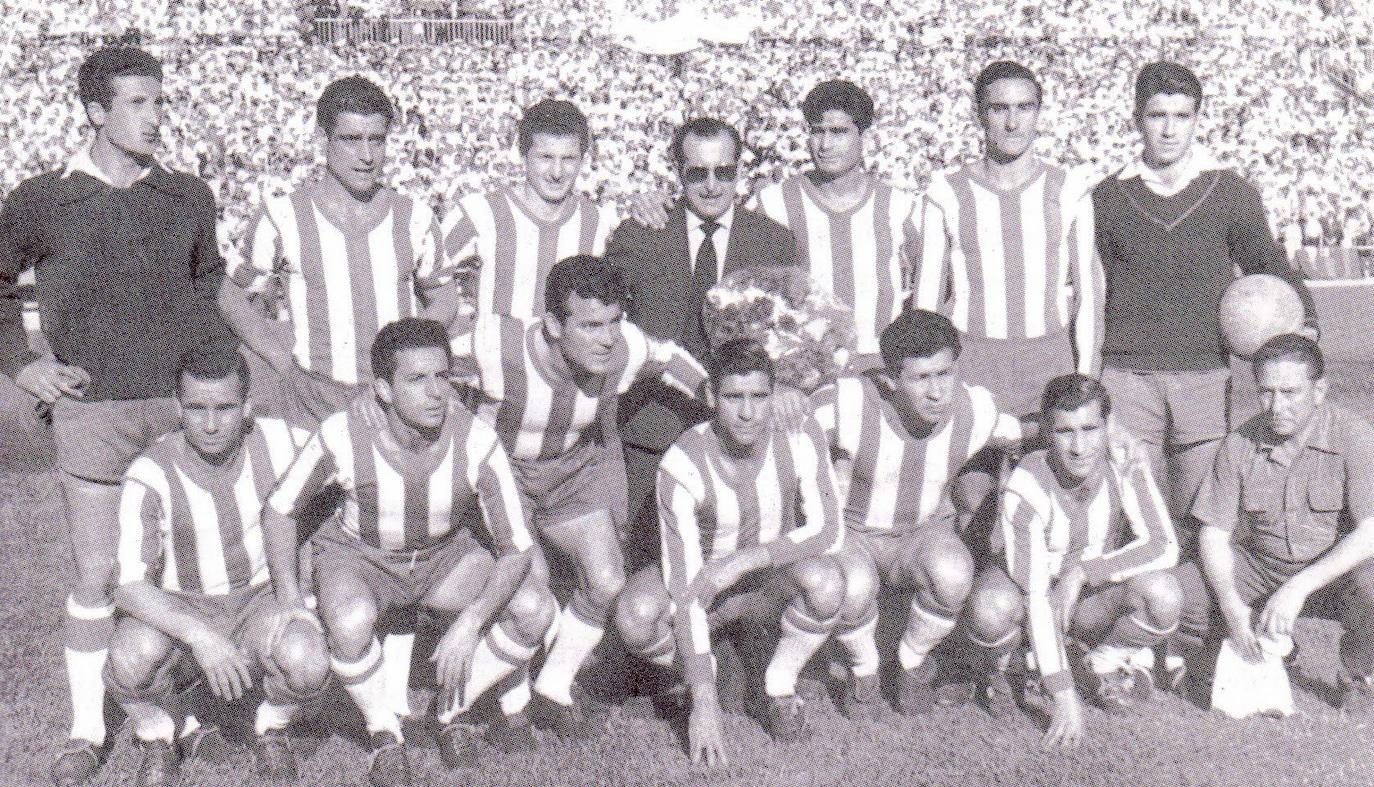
(802, 636)
(497, 656)
(396, 652)
(515, 698)
(576, 640)
(862, 644)
(365, 681)
(87, 634)
(1135, 632)
(924, 631)
(271, 717)
(663, 652)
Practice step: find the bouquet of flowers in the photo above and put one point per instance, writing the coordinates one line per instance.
(809, 335)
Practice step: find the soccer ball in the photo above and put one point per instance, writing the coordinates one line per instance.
(1255, 309)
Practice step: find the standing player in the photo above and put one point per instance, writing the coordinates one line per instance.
(518, 233)
(551, 387)
(1007, 252)
(403, 536)
(905, 431)
(127, 266)
(350, 253)
(730, 493)
(855, 233)
(1088, 548)
(192, 572)
(1172, 228)
(351, 256)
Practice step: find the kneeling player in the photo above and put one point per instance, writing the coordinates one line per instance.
(729, 493)
(1088, 545)
(403, 537)
(906, 430)
(192, 572)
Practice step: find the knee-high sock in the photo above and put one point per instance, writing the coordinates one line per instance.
(862, 643)
(365, 681)
(577, 638)
(87, 632)
(802, 636)
(498, 655)
(396, 652)
(514, 699)
(924, 630)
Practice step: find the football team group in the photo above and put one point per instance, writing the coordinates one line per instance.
(1033, 448)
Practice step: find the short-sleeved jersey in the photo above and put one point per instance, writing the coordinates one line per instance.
(898, 481)
(342, 284)
(860, 255)
(191, 527)
(1017, 264)
(398, 499)
(516, 249)
(1114, 526)
(1294, 499)
(706, 512)
(542, 412)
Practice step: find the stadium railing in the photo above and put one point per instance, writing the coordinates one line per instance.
(1335, 262)
(415, 30)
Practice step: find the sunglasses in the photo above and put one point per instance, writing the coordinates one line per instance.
(697, 175)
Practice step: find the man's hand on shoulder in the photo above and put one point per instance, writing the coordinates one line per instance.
(651, 209)
(49, 379)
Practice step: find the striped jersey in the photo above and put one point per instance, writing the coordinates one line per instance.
(516, 249)
(192, 527)
(537, 408)
(708, 510)
(1115, 526)
(342, 284)
(898, 481)
(860, 255)
(1018, 264)
(398, 499)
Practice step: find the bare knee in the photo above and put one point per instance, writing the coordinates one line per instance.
(948, 574)
(821, 585)
(860, 579)
(604, 583)
(531, 611)
(992, 612)
(300, 655)
(638, 612)
(135, 656)
(1158, 596)
(352, 624)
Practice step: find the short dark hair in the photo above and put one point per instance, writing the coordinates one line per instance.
(209, 361)
(93, 78)
(559, 118)
(707, 127)
(1169, 78)
(588, 277)
(739, 356)
(1292, 346)
(916, 333)
(408, 333)
(355, 94)
(1003, 69)
(839, 94)
(1068, 392)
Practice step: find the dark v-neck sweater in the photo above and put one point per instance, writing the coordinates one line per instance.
(1169, 259)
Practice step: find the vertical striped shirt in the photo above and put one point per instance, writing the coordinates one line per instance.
(898, 481)
(397, 499)
(190, 527)
(342, 284)
(860, 255)
(1115, 526)
(516, 249)
(1017, 264)
(541, 412)
(709, 510)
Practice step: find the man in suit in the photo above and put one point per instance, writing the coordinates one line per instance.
(669, 271)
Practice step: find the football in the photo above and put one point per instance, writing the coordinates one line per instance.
(1255, 309)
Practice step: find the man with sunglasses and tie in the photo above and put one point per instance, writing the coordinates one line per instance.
(669, 270)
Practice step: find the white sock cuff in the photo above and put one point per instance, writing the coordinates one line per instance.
(79, 611)
(506, 648)
(351, 671)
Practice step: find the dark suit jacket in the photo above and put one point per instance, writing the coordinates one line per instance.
(658, 269)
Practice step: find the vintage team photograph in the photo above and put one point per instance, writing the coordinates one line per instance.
(687, 392)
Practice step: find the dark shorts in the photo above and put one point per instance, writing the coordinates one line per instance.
(1171, 408)
(1015, 370)
(888, 551)
(398, 579)
(589, 478)
(98, 441)
(1097, 611)
(308, 398)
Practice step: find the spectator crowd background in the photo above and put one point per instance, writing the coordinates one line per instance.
(1289, 84)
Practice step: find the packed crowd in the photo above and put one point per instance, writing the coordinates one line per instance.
(1286, 109)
